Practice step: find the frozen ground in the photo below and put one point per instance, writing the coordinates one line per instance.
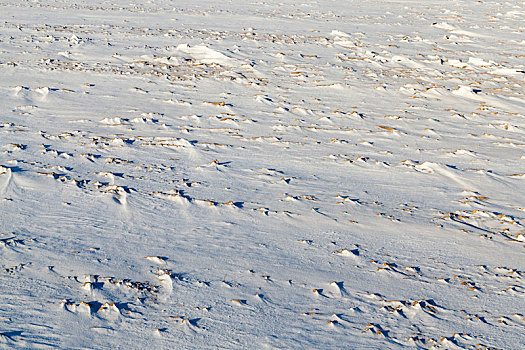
(239, 174)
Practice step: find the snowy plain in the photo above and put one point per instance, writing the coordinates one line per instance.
(262, 174)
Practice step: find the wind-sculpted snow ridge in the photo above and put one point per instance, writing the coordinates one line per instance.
(269, 174)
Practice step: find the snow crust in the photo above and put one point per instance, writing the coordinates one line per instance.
(246, 174)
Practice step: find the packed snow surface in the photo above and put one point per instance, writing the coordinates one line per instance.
(245, 174)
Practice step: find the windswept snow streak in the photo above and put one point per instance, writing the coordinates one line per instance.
(241, 174)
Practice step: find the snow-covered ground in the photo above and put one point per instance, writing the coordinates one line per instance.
(262, 174)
